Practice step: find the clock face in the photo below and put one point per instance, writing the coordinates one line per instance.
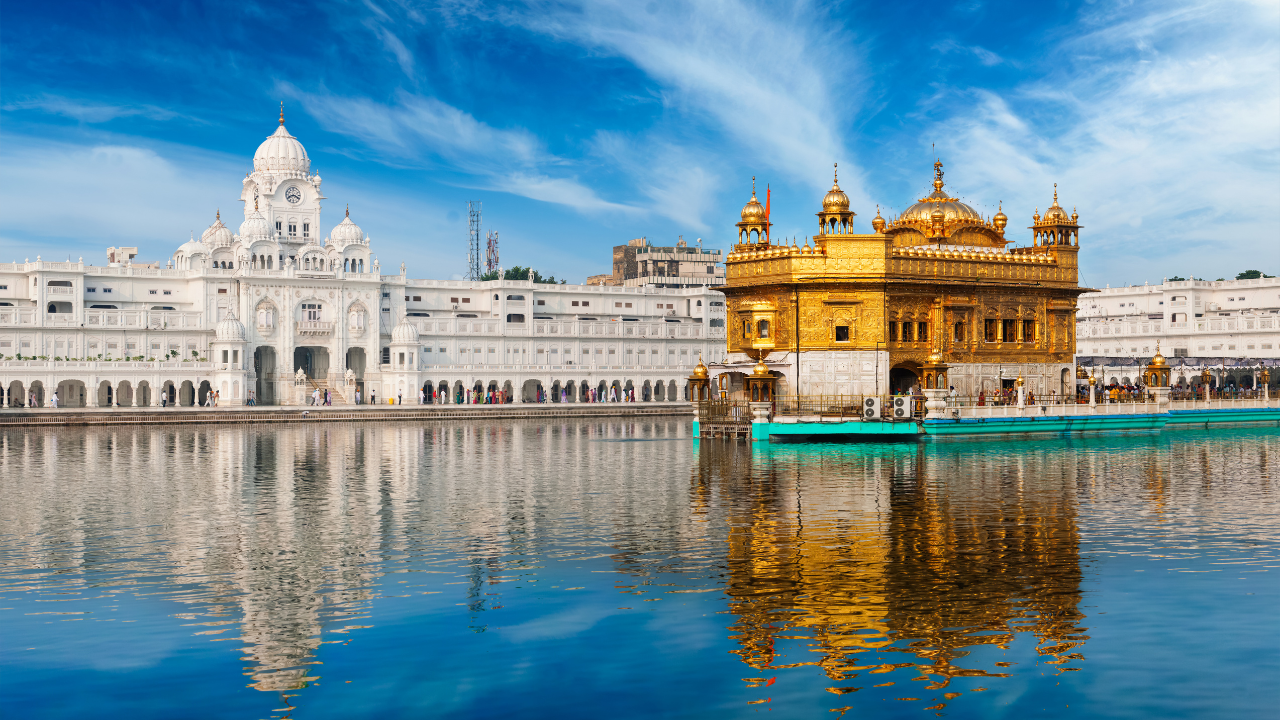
(293, 195)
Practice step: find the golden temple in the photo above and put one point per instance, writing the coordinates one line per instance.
(935, 296)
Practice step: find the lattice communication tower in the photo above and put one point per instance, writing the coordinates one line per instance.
(473, 247)
(491, 253)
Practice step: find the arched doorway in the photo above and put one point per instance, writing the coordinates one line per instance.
(508, 392)
(142, 396)
(17, 394)
(902, 378)
(36, 393)
(264, 365)
(203, 394)
(187, 394)
(106, 394)
(124, 394)
(1066, 382)
(646, 392)
(71, 394)
(555, 391)
(314, 361)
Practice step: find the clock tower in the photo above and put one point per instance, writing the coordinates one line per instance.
(286, 192)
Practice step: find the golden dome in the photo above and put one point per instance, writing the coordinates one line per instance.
(700, 372)
(835, 200)
(1000, 220)
(877, 222)
(1055, 213)
(760, 370)
(953, 211)
(753, 211)
(1158, 360)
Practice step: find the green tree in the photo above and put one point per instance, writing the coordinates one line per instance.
(1252, 275)
(522, 273)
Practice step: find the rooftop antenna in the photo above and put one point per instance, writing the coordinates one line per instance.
(491, 252)
(473, 244)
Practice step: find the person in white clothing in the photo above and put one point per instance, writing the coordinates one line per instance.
(54, 400)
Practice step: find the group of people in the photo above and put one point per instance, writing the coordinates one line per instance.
(1004, 396)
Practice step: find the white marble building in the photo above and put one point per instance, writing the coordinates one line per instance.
(242, 313)
(1230, 327)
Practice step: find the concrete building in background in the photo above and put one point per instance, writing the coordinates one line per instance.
(639, 264)
(1230, 327)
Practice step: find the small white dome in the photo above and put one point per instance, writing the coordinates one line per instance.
(255, 227)
(229, 329)
(346, 232)
(281, 153)
(404, 333)
(218, 235)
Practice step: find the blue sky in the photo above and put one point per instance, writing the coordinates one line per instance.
(582, 125)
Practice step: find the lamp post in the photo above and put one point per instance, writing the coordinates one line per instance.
(1093, 390)
(1265, 377)
(1205, 377)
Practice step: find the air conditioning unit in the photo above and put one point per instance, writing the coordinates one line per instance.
(902, 407)
(871, 408)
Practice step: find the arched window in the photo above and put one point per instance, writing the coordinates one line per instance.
(764, 328)
(52, 308)
(361, 266)
(346, 266)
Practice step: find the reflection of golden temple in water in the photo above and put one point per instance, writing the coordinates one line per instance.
(860, 552)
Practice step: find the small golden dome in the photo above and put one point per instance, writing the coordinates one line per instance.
(835, 200)
(937, 215)
(753, 211)
(1080, 373)
(1158, 360)
(760, 370)
(1000, 220)
(877, 222)
(1055, 213)
(700, 372)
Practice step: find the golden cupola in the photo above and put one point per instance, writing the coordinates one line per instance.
(1056, 227)
(877, 222)
(942, 219)
(835, 218)
(754, 227)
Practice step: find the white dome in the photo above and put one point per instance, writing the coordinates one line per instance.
(346, 232)
(281, 153)
(255, 227)
(229, 329)
(218, 235)
(404, 333)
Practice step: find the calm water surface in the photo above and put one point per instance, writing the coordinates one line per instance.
(619, 569)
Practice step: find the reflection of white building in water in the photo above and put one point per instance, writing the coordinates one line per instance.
(1230, 327)
(242, 312)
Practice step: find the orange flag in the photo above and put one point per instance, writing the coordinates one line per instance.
(768, 201)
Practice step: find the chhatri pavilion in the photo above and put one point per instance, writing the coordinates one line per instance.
(935, 297)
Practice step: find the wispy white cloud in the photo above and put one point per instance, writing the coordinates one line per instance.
(418, 131)
(87, 111)
(778, 80)
(1160, 125)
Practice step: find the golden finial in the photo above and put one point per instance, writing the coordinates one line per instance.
(753, 186)
(1055, 193)
(255, 203)
(348, 209)
(937, 176)
(219, 214)
(281, 113)
(836, 173)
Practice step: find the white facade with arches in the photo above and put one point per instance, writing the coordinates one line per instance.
(240, 313)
